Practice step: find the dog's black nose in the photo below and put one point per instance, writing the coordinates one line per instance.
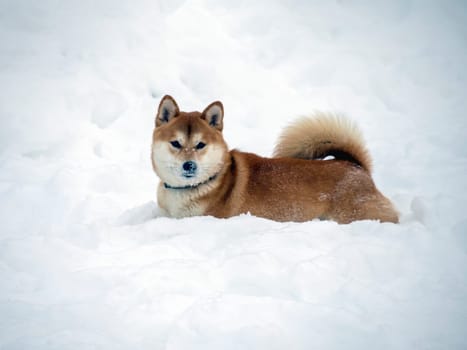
(189, 167)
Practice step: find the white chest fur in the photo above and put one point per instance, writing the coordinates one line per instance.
(179, 203)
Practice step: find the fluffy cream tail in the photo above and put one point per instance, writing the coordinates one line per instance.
(322, 135)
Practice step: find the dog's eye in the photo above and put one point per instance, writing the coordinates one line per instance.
(176, 144)
(200, 145)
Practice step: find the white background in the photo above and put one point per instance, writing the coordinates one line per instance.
(85, 261)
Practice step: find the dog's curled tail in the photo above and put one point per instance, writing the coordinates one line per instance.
(322, 135)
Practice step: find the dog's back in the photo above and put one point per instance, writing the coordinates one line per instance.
(290, 189)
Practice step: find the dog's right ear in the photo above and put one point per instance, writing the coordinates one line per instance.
(168, 109)
(214, 115)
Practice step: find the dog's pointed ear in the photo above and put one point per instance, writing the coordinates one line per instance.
(214, 115)
(168, 109)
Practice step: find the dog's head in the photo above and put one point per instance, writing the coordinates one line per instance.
(188, 147)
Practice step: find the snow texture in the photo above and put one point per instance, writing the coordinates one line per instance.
(86, 261)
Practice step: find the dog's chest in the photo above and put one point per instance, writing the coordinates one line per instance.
(179, 203)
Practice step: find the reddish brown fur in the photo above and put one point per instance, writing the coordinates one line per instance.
(286, 189)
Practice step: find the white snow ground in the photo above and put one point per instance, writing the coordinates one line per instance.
(85, 261)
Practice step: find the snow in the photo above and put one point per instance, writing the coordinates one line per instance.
(86, 261)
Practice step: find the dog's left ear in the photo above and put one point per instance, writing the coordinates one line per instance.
(167, 110)
(214, 115)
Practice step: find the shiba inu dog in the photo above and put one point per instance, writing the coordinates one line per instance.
(200, 176)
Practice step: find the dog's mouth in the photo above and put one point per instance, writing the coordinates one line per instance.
(188, 175)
